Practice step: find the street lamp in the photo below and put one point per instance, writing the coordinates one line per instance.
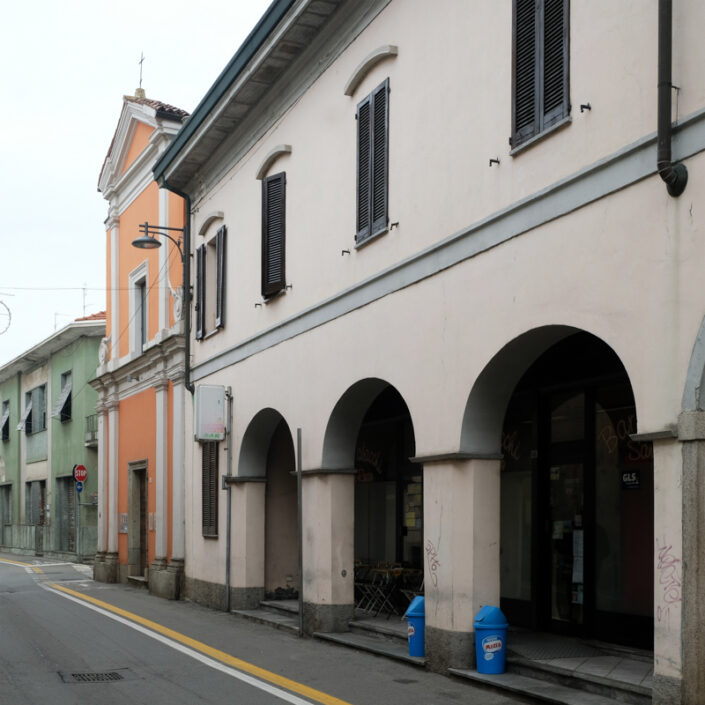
(149, 242)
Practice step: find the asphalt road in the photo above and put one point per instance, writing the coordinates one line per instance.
(67, 640)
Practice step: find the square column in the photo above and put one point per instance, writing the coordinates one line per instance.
(328, 551)
(461, 546)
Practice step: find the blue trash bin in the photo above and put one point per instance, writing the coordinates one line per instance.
(416, 616)
(490, 640)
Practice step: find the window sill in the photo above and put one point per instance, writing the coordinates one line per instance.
(370, 238)
(541, 136)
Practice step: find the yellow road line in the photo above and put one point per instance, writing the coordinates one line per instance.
(18, 563)
(216, 654)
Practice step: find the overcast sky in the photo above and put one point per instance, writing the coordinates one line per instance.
(65, 67)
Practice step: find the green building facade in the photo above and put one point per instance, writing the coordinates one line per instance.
(49, 426)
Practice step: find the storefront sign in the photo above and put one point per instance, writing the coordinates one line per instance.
(631, 480)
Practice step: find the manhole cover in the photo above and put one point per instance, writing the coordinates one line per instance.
(99, 677)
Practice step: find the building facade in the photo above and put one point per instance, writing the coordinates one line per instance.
(140, 377)
(454, 272)
(49, 427)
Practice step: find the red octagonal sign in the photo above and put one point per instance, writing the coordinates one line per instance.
(80, 473)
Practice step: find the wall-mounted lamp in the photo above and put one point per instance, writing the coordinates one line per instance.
(149, 242)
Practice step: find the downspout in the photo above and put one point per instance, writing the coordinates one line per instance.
(675, 175)
(186, 283)
(228, 530)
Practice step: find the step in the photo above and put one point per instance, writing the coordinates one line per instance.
(138, 580)
(395, 630)
(388, 646)
(540, 690)
(625, 680)
(280, 619)
(288, 607)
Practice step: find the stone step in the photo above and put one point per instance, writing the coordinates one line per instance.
(394, 630)
(388, 646)
(138, 580)
(620, 679)
(277, 619)
(537, 690)
(288, 607)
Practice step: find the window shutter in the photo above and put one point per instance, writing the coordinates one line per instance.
(200, 292)
(555, 61)
(220, 277)
(525, 71)
(364, 110)
(209, 496)
(273, 234)
(380, 112)
(540, 89)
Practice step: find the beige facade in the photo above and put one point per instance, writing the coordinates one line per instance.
(560, 269)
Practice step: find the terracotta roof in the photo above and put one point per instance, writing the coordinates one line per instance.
(163, 109)
(93, 317)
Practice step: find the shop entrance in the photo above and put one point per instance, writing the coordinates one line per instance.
(577, 500)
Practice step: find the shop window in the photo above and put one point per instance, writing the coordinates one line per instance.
(372, 163)
(541, 63)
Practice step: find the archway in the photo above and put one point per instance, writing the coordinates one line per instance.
(577, 498)
(371, 433)
(267, 454)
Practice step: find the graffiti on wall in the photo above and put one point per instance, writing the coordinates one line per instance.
(668, 573)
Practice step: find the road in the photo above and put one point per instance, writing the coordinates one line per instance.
(67, 640)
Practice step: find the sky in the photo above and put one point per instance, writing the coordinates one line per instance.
(65, 67)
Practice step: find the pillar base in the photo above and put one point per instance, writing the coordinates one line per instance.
(446, 649)
(165, 579)
(327, 618)
(105, 567)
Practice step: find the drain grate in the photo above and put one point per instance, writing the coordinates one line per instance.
(102, 677)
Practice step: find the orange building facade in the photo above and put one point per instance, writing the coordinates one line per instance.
(140, 378)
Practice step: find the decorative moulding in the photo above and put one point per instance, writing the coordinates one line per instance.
(277, 152)
(379, 54)
(215, 215)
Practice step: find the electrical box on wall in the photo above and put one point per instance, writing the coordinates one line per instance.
(210, 413)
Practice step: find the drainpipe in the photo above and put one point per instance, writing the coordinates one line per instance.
(186, 283)
(675, 175)
(229, 395)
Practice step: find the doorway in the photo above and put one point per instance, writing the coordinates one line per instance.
(137, 517)
(577, 500)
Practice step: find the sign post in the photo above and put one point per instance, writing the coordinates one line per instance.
(79, 474)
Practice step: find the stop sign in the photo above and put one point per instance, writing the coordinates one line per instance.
(80, 473)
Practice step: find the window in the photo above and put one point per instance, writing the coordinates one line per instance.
(209, 488)
(34, 417)
(5, 420)
(141, 313)
(372, 163)
(62, 406)
(540, 90)
(35, 502)
(210, 285)
(273, 234)
(139, 308)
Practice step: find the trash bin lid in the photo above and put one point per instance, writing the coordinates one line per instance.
(416, 608)
(490, 616)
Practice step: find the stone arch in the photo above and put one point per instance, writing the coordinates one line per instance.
(252, 461)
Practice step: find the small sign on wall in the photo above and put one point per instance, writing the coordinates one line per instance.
(631, 480)
(210, 412)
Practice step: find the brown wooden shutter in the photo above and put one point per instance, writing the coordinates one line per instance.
(209, 488)
(220, 277)
(525, 91)
(273, 234)
(200, 292)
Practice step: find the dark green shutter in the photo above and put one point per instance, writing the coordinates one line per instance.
(220, 277)
(200, 292)
(364, 110)
(273, 234)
